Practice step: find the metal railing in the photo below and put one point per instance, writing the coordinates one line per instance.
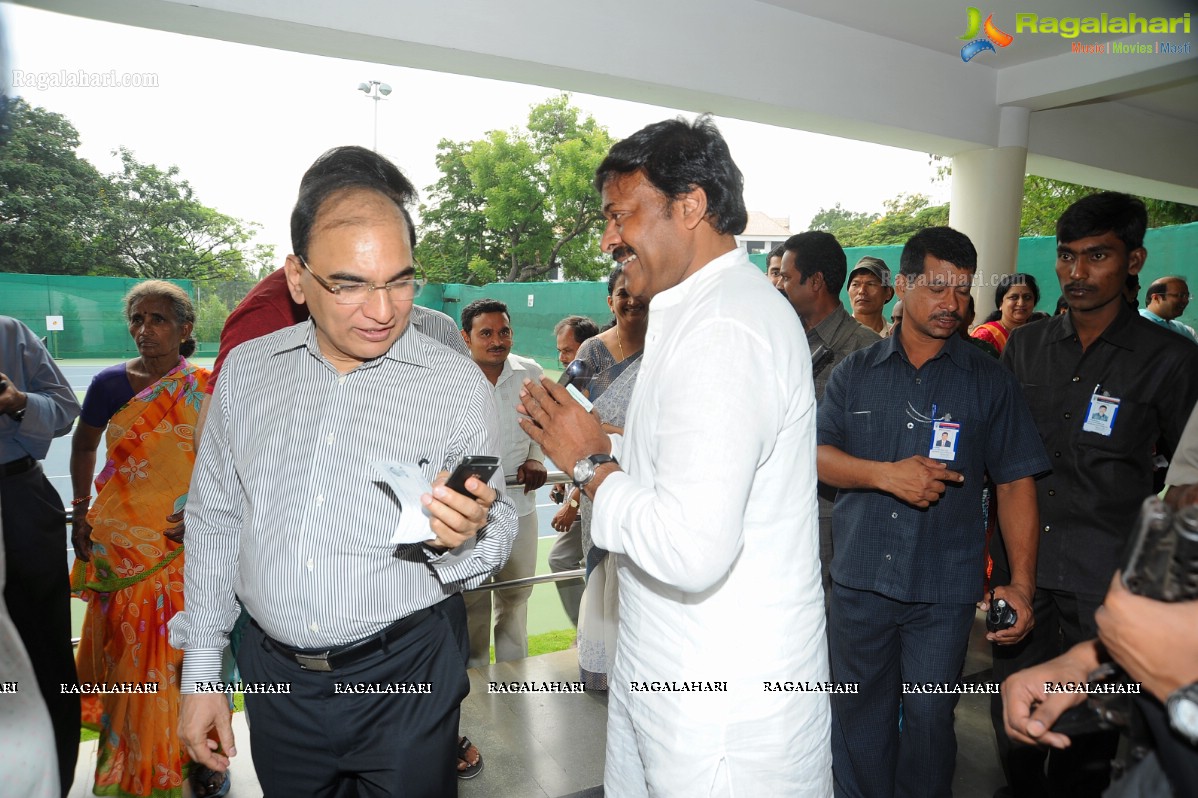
(554, 478)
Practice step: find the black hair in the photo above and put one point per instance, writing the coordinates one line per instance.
(611, 291)
(181, 306)
(1007, 281)
(1105, 212)
(776, 252)
(611, 279)
(581, 327)
(818, 252)
(943, 243)
(676, 157)
(343, 169)
(479, 307)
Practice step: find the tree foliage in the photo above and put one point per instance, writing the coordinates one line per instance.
(210, 318)
(50, 199)
(157, 228)
(516, 205)
(59, 215)
(1044, 200)
(904, 215)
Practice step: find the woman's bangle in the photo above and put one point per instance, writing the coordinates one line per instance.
(80, 500)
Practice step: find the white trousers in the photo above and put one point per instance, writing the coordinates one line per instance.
(511, 606)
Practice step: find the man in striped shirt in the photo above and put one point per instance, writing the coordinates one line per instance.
(287, 515)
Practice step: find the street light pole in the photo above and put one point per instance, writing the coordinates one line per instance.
(376, 91)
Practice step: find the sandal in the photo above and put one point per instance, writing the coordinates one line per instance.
(470, 761)
(208, 783)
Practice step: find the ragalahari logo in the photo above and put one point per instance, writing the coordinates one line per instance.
(975, 45)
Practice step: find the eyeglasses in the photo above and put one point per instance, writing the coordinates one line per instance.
(1186, 297)
(358, 293)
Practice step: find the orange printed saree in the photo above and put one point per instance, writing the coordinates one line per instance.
(134, 585)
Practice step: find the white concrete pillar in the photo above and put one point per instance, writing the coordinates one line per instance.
(987, 195)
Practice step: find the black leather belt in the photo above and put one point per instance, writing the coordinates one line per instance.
(14, 467)
(332, 659)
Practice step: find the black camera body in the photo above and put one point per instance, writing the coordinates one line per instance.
(1001, 615)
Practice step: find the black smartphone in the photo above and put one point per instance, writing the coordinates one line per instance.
(473, 465)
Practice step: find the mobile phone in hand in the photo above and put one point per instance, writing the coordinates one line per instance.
(473, 465)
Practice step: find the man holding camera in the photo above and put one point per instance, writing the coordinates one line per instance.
(908, 527)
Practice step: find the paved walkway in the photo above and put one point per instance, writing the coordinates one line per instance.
(551, 746)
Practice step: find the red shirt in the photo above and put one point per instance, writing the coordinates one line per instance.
(266, 308)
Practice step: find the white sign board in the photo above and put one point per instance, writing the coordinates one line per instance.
(54, 323)
(530, 298)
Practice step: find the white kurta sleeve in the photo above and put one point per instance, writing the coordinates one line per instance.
(714, 407)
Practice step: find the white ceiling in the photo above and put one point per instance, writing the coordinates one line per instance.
(937, 24)
(890, 73)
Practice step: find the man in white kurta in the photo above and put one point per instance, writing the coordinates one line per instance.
(710, 509)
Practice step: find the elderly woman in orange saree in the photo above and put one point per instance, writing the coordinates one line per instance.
(129, 565)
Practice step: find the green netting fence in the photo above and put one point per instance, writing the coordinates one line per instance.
(93, 324)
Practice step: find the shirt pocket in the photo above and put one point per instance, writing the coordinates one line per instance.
(860, 435)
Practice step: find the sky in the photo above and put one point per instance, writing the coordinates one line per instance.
(242, 123)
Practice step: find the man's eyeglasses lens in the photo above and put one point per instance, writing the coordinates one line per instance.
(358, 293)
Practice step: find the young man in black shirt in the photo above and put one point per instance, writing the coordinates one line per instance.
(1099, 353)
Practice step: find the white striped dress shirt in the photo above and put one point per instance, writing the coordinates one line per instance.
(284, 512)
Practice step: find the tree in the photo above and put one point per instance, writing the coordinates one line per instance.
(518, 204)
(50, 198)
(454, 228)
(155, 227)
(840, 222)
(1044, 200)
(905, 214)
(59, 215)
(210, 318)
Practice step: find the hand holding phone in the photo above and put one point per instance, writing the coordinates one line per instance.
(483, 467)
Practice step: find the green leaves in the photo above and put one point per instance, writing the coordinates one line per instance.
(1044, 200)
(59, 215)
(517, 204)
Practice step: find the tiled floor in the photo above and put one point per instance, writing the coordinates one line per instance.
(551, 745)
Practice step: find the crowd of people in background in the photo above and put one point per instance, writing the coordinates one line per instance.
(769, 489)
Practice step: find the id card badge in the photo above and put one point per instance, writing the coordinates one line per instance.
(944, 440)
(1100, 415)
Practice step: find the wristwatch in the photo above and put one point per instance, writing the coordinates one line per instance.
(1183, 712)
(584, 469)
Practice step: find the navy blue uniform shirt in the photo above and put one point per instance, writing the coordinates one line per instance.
(878, 406)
